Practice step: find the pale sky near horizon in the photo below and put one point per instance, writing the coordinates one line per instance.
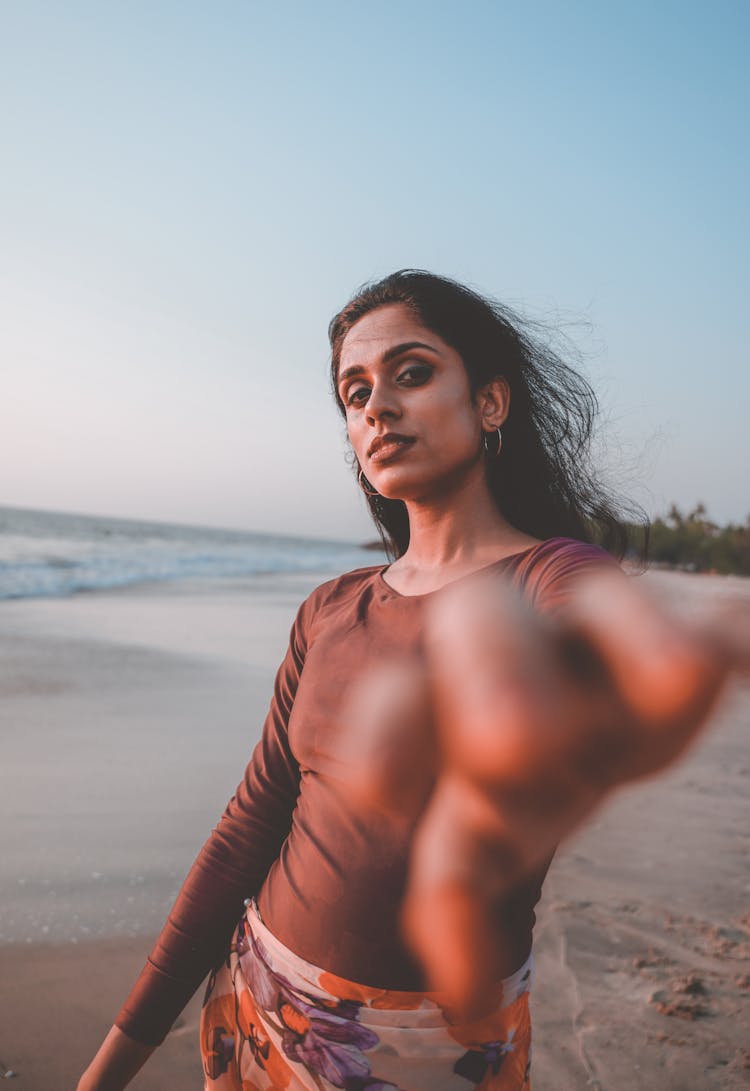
(188, 192)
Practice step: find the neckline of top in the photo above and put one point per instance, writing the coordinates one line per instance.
(477, 571)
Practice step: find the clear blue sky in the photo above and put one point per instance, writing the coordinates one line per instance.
(189, 191)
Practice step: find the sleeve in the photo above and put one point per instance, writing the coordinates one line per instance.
(230, 867)
(557, 567)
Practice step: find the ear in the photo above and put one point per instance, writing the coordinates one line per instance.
(494, 403)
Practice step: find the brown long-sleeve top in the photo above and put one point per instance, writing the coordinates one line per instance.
(328, 878)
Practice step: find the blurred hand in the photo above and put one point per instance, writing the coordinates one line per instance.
(510, 730)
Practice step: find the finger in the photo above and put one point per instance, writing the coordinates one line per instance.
(725, 625)
(526, 711)
(385, 750)
(494, 681)
(450, 934)
(667, 672)
(521, 703)
(462, 861)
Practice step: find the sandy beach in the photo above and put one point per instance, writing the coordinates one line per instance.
(127, 718)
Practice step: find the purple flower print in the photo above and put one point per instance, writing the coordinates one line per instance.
(266, 986)
(322, 1034)
(326, 1043)
(220, 1053)
(476, 1063)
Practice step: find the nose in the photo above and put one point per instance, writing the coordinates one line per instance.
(382, 402)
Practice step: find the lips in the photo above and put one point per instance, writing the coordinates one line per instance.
(388, 446)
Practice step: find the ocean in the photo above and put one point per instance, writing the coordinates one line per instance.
(45, 553)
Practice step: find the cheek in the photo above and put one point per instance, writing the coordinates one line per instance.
(356, 437)
(454, 420)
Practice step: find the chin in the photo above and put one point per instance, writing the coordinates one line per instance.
(407, 486)
(395, 490)
(407, 483)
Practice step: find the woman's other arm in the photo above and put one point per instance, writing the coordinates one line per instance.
(229, 868)
(117, 1060)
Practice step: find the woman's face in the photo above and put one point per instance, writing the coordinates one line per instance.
(409, 412)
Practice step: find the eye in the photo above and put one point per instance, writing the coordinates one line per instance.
(357, 395)
(415, 374)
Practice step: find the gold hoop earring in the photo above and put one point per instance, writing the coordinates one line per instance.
(365, 485)
(498, 449)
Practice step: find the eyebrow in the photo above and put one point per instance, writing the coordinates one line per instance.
(388, 355)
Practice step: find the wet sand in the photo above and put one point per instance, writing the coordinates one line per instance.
(126, 721)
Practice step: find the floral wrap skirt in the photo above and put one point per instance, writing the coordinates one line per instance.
(273, 1022)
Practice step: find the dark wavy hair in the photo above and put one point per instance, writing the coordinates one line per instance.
(543, 482)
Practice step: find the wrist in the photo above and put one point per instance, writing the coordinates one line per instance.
(118, 1059)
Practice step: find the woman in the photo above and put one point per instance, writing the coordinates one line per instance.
(467, 727)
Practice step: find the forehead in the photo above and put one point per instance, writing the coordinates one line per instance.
(380, 330)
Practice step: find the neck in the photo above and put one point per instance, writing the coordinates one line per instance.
(458, 528)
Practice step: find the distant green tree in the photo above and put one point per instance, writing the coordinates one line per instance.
(694, 542)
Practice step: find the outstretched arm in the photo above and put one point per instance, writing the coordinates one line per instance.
(512, 728)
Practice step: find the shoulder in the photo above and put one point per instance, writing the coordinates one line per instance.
(547, 572)
(348, 585)
(341, 592)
